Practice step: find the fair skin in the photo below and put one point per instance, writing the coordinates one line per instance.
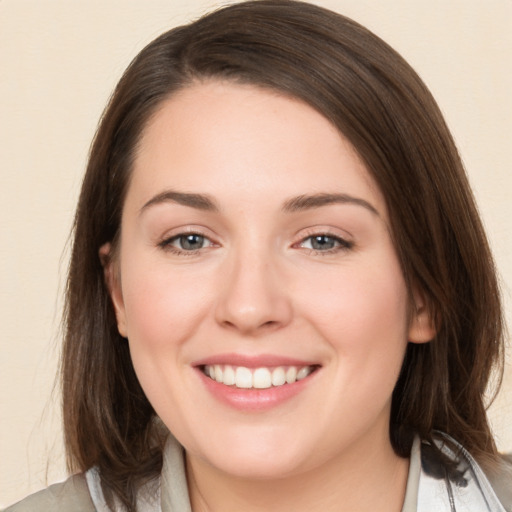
(224, 263)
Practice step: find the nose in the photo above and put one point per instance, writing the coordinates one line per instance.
(254, 298)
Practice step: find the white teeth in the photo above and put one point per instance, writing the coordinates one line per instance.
(262, 378)
(278, 376)
(303, 372)
(243, 378)
(258, 378)
(291, 375)
(229, 376)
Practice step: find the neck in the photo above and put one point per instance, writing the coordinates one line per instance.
(365, 478)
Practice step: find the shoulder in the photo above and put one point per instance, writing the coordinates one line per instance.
(501, 481)
(450, 477)
(69, 496)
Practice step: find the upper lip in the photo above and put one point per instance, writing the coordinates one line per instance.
(253, 361)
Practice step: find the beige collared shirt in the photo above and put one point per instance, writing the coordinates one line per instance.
(424, 492)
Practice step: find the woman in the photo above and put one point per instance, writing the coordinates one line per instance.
(277, 258)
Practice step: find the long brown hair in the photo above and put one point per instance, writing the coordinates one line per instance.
(379, 103)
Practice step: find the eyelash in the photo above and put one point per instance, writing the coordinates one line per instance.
(166, 244)
(340, 244)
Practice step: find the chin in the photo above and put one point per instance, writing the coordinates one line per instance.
(250, 466)
(257, 456)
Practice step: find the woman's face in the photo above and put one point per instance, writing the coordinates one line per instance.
(255, 248)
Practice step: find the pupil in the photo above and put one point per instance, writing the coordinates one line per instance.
(322, 242)
(191, 242)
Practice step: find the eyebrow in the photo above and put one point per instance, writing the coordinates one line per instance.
(295, 204)
(197, 201)
(308, 202)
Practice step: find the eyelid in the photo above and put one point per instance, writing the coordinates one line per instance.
(345, 241)
(324, 230)
(187, 229)
(165, 241)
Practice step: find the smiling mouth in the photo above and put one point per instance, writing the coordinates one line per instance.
(257, 378)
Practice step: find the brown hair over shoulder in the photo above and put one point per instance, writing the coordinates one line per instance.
(383, 108)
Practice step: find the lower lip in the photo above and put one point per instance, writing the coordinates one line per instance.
(255, 400)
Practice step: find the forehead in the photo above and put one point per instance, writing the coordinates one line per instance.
(247, 139)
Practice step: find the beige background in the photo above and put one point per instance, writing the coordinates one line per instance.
(59, 60)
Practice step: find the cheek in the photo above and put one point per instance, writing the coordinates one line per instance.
(163, 307)
(363, 316)
(163, 312)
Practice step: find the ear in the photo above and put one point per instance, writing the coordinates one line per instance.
(422, 327)
(112, 280)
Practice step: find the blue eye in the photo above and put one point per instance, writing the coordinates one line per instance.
(190, 242)
(186, 242)
(325, 243)
(322, 242)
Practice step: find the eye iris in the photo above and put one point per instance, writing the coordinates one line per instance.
(191, 242)
(322, 242)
